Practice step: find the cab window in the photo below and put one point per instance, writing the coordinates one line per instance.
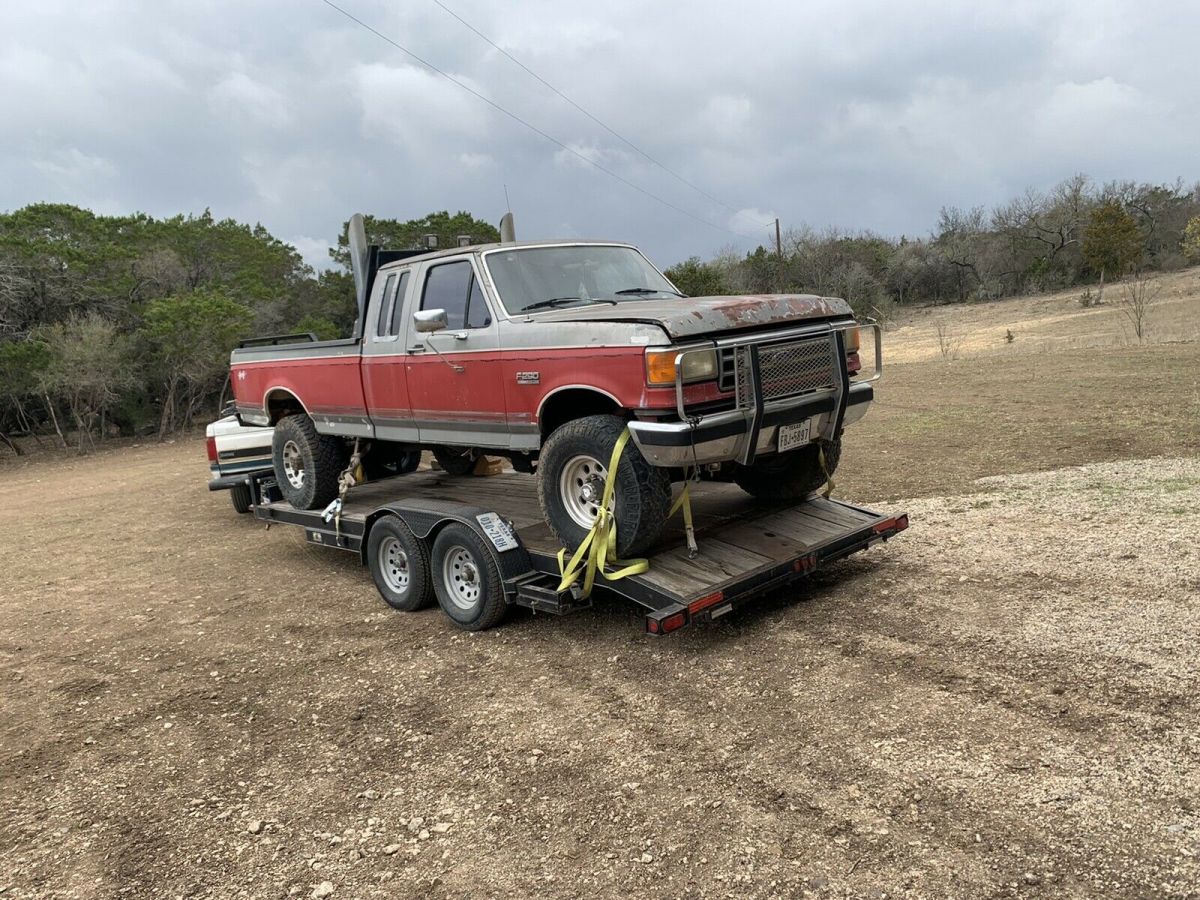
(453, 287)
(386, 301)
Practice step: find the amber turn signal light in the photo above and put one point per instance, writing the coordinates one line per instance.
(660, 366)
(853, 338)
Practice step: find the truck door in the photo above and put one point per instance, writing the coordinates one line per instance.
(384, 375)
(455, 385)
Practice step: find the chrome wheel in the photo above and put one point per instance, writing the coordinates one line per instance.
(293, 464)
(393, 565)
(460, 575)
(581, 487)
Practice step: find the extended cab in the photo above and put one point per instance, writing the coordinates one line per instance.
(545, 352)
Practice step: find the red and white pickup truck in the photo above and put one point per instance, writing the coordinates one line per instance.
(546, 352)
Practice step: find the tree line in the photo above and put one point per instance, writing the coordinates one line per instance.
(123, 324)
(1077, 232)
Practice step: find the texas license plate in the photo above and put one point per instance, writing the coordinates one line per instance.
(498, 532)
(792, 436)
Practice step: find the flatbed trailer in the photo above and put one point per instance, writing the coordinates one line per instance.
(745, 548)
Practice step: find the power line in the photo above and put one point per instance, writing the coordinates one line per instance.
(533, 128)
(603, 125)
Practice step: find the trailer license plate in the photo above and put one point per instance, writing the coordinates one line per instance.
(792, 436)
(497, 531)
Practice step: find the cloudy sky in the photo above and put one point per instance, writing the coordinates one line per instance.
(858, 113)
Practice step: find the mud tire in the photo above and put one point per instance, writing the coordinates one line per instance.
(788, 476)
(643, 491)
(321, 456)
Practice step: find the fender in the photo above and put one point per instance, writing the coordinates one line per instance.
(279, 390)
(575, 387)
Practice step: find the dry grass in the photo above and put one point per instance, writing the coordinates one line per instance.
(937, 426)
(1073, 387)
(1047, 323)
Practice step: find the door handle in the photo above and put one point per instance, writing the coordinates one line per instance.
(420, 348)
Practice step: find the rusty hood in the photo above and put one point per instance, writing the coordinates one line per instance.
(683, 317)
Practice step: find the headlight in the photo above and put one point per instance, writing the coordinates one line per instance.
(699, 364)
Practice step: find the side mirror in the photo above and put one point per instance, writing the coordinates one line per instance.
(426, 320)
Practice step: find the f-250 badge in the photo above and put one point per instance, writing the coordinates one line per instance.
(529, 378)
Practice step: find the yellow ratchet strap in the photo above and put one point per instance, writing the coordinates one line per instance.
(598, 550)
(685, 502)
(829, 485)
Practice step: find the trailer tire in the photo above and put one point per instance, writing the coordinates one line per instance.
(399, 564)
(788, 476)
(466, 578)
(241, 497)
(307, 464)
(456, 461)
(578, 453)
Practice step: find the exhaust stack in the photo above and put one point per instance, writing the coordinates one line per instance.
(508, 231)
(356, 235)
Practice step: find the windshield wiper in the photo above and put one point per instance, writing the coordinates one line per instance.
(554, 301)
(645, 290)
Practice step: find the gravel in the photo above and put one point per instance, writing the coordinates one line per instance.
(1009, 689)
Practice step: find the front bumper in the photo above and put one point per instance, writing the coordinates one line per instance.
(752, 426)
(724, 436)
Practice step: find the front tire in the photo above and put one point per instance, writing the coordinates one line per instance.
(307, 464)
(466, 579)
(572, 468)
(788, 476)
(399, 563)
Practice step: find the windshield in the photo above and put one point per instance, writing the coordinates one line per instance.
(545, 277)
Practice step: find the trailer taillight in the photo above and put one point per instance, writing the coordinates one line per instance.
(894, 524)
(705, 602)
(211, 445)
(669, 624)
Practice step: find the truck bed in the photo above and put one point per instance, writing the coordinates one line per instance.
(745, 547)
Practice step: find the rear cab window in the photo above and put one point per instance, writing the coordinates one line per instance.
(387, 300)
(391, 305)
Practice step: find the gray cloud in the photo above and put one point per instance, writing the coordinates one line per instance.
(861, 114)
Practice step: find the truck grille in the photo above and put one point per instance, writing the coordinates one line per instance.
(787, 368)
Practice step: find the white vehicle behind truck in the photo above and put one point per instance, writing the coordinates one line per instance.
(236, 452)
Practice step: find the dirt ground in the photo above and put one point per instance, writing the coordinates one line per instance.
(1004, 701)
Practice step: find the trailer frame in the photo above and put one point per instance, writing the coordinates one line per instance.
(752, 548)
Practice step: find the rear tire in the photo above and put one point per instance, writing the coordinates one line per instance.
(571, 471)
(242, 500)
(466, 579)
(399, 564)
(307, 464)
(788, 476)
(456, 461)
